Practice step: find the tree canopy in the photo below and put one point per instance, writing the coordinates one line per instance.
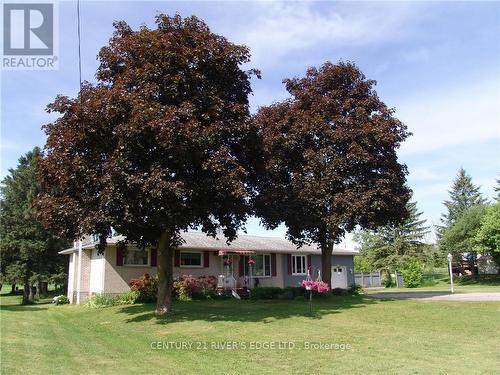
(330, 160)
(158, 146)
(487, 237)
(28, 251)
(459, 238)
(393, 245)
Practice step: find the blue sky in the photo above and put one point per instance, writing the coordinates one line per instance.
(437, 64)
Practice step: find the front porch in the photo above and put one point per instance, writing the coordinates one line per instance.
(245, 269)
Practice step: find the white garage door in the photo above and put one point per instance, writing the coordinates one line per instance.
(339, 277)
(96, 272)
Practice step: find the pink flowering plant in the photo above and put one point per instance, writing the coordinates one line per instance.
(318, 286)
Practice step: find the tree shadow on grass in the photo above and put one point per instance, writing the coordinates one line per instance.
(412, 295)
(19, 308)
(247, 310)
(13, 303)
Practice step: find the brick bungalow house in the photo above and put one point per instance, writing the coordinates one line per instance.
(278, 263)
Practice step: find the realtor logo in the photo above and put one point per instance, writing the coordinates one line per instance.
(29, 36)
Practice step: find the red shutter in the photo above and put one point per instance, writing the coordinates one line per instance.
(119, 256)
(242, 266)
(273, 264)
(206, 259)
(154, 257)
(177, 258)
(309, 264)
(289, 261)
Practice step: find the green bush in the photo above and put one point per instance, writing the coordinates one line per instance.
(286, 294)
(387, 280)
(297, 291)
(355, 289)
(339, 292)
(412, 274)
(266, 293)
(130, 297)
(104, 300)
(107, 300)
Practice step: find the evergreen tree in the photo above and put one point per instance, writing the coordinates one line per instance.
(392, 246)
(463, 195)
(497, 190)
(28, 251)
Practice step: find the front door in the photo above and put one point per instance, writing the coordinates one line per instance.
(339, 277)
(228, 271)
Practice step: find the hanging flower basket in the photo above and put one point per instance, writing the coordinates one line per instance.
(251, 261)
(318, 286)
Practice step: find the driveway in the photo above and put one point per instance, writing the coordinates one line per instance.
(437, 296)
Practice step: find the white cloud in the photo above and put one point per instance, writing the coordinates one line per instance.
(446, 118)
(283, 28)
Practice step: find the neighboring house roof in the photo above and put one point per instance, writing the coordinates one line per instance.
(198, 240)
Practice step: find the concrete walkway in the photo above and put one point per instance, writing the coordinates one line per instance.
(438, 296)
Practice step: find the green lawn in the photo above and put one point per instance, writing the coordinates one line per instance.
(458, 288)
(440, 282)
(407, 337)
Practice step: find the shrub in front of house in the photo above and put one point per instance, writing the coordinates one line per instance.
(104, 300)
(188, 287)
(266, 293)
(355, 289)
(339, 292)
(130, 298)
(146, 286)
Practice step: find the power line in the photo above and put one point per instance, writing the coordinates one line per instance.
(79, 43)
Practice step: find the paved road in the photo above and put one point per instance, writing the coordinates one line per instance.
(438, 296)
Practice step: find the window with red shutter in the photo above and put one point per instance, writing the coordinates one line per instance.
(206, 259)
(154, 257)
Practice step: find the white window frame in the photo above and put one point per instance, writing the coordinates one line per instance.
(191, 252)
(137, 265)
(246, 266)
(295, 273)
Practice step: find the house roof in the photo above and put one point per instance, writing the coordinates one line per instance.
(200, 241)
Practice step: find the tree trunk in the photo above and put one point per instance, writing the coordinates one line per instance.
(27, 293)
(326, 263)
(165, 274)
(32, 293)
(13, 289)
(44, 288)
